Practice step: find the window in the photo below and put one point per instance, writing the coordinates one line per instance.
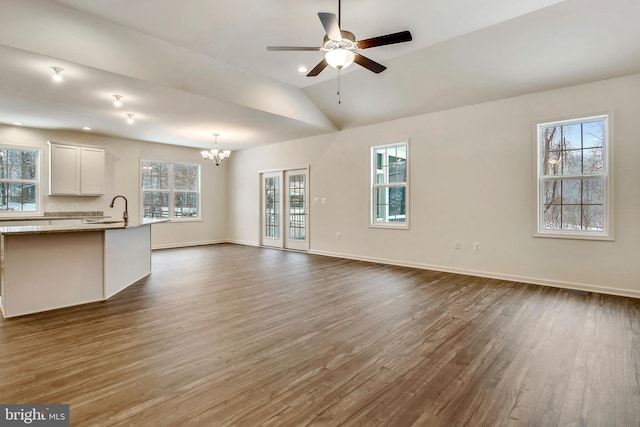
(170, 190)
(389, 186)
(19, 181)
(573, 178)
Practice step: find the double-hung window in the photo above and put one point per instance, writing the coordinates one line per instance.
(19, 181)
(389, 186)
(170, 190)
(573, 178)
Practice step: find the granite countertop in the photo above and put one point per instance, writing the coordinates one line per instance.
(55, 216)
(73, 228)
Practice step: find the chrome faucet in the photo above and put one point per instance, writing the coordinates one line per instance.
(125, 214)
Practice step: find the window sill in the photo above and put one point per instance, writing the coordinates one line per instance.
(390, 227)
(575, 236)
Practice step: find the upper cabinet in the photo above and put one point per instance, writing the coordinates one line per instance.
(92, 170)
(76, 170)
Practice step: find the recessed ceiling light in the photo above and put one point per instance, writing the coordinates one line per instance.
(130, 118)
(57, 76)
(302, 69)
(86, 128)
(17, 124)
(117, 102)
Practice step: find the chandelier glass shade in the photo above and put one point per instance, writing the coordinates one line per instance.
(215, 154)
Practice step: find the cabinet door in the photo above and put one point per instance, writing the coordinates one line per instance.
(63, 171)
(92, 171)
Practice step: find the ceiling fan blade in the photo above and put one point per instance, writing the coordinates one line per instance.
(330, 24)
(368, 63)
(401, 37)
(289, 48)
(318, 68)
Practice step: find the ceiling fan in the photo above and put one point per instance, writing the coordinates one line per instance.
(341, 47)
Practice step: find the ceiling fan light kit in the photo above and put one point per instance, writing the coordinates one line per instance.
(339, 58)
(341, 47)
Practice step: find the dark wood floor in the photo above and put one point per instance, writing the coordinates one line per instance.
(234, 335)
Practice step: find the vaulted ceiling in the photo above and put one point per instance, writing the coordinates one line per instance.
(189, 68)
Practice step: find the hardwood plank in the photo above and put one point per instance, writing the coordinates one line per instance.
(235, 335)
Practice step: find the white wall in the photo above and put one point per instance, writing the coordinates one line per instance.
(122, 177)
(471, 179)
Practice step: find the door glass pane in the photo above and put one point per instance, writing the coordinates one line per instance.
(297, 207)
(272, 207)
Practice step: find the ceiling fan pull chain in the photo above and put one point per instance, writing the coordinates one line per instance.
(339, 97)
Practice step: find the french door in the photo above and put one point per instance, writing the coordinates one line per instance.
(284, 209)
(296, 218)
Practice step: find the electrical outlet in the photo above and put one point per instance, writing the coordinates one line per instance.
(456, 244)
(50, 206)
(476, 246)
(338, 235)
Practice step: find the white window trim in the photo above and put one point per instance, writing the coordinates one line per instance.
(171, 191)
(372, 188)
(40, 194)
(605, 235)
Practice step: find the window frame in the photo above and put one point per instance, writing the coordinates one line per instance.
(39, 197)
(607, 176)
(373, 186)
(171, 191)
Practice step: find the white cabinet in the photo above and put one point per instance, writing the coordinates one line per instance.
(92, 170)
(75, 170)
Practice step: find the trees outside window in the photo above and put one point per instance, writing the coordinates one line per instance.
(19, 181)
(573, 178)
(170, 190)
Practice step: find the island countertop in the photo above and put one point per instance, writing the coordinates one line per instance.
(73, 228)
(45, 267)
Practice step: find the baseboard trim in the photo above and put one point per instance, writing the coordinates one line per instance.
(490, 275)
(187, 244)
(242, 242)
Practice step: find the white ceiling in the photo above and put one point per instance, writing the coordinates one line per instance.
(189, 68)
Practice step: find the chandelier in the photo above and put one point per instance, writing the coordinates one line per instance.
(216, 155)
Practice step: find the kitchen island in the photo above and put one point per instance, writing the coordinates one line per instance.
(44, 267)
